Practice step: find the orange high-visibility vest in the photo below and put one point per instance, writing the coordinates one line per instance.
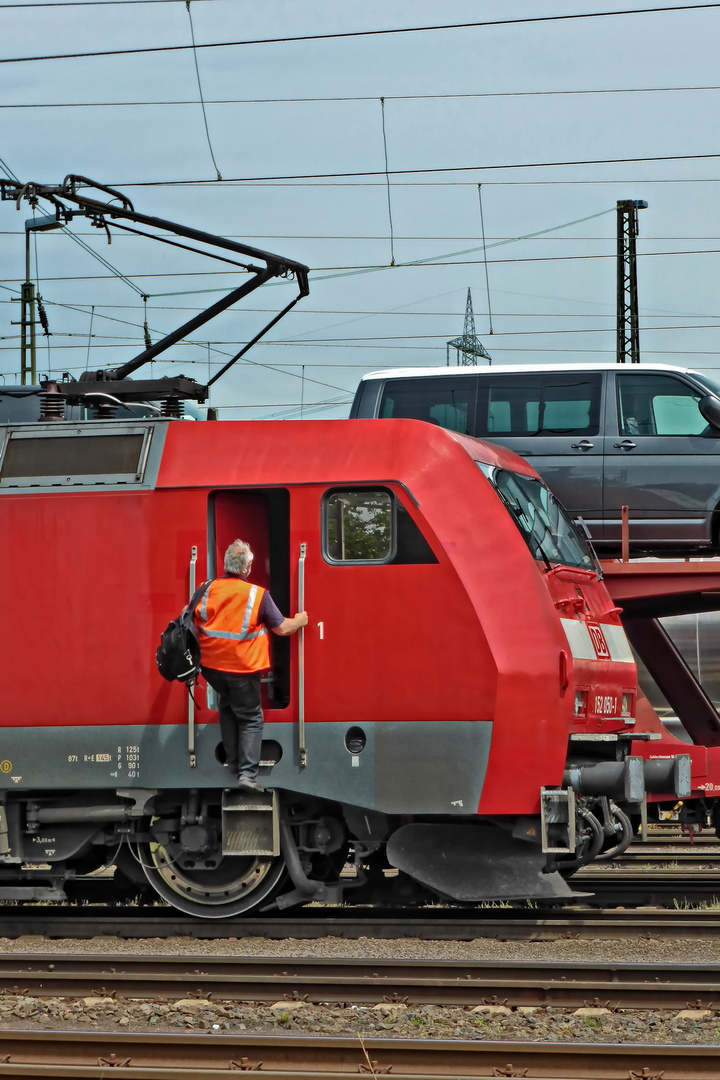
(227, 620)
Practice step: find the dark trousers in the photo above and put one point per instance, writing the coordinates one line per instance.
(241, 719)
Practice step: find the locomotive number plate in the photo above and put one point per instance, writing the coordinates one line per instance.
(606, 706)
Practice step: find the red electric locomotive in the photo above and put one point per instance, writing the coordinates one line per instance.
(464, 668)
(457, 719)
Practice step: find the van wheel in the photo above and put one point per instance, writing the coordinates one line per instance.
(236, 885)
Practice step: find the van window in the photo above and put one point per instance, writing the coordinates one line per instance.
(485, 405)
(538, 405)
(449, 403)
(658, 405)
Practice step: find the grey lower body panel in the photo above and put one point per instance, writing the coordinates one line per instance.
(435, 767)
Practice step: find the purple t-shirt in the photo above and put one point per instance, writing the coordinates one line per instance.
(269, 613)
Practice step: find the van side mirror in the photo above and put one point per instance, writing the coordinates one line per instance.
(709, 407)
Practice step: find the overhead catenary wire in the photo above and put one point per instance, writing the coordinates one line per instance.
(200, 90)
(208, 345)
(610, 182)
(383, 32)
(323, 273)
(431, 259)
(88, 3)
(440, 257)
(416, 238)
(354, 98)
(387, 179)
(368, 313)
(115, 341)
(484, 250)
(497, 167)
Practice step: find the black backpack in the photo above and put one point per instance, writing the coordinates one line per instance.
(178, 654)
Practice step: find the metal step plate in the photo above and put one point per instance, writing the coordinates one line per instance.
(250, 823)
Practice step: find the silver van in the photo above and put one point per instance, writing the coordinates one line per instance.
(601, 436)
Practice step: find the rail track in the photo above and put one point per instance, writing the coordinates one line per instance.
(661, 886)
(356, 981)
(205, 1057)
(438, 924)
(690, 858)
(674, 834)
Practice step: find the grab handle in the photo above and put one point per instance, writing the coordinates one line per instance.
(302, 749)
(191, 700)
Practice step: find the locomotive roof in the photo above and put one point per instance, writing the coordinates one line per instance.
(247, 452)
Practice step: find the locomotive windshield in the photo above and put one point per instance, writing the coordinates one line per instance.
(545, 525)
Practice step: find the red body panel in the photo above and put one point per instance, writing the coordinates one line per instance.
(475, 636)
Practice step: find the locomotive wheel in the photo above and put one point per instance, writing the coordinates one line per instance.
(236, 885)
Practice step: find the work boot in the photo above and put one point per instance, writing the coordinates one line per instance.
(246, 784)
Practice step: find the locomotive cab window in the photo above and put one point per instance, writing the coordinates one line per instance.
(547, 529)
(359, 526)
(369, 525)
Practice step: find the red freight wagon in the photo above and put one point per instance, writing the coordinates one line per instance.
(460, 707)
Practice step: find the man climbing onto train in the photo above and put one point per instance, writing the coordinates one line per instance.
(233, 619)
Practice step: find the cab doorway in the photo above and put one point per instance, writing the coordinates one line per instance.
(261, 517)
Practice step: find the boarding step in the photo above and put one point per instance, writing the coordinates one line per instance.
(250, 823)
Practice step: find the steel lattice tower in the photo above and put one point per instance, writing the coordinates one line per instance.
(469, 346)
(628, 329)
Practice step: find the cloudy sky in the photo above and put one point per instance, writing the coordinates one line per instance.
(556, 118)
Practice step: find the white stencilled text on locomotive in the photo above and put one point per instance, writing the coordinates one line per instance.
(606, 705)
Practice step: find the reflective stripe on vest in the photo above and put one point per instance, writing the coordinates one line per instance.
(223, 647)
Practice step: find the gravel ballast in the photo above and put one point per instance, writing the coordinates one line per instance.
(697, 1025)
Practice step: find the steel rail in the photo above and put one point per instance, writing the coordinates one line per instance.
(674, 835)
(151, 1056)
(693, 858)
(342, 980)
(441, 924)
(658, 888)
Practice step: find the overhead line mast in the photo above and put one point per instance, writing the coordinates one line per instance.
(628, 329)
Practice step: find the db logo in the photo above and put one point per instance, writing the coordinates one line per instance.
(599, 643)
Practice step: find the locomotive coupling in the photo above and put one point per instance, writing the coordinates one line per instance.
(623, 780)
(630, 779)
(669, 775)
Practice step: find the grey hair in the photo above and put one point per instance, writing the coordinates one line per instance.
(238, 557)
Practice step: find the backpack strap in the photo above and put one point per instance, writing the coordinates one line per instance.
(197, 596)
(188, 621)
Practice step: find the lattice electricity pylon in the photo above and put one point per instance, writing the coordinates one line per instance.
(469, 345)
(628, 329)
